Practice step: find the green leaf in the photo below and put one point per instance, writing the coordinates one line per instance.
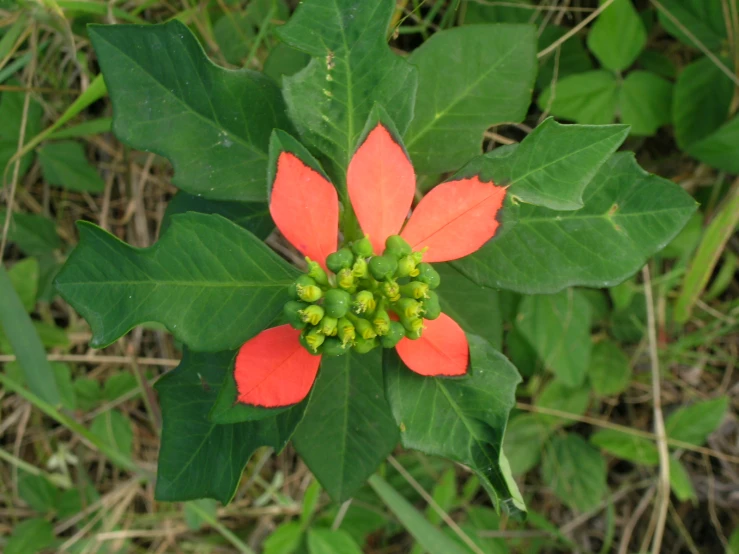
(610, 369)
(680, 482)
(618, 35)
(558, 396)
(11, 114)
(310, 503)
(209, 281)
(476, 12)
(575, 471)
(553, 165)
(719, 148)
(38, 492)
(24, 277)
(252, 216)
(694, 423)
(704, 19)
(30, 535)
(328, 541)
(462, 419)
(573, 56)
(193, 512)
(114, 429)
(352, 69)
(628, 216)
(646, 102)
(118, 384)
(589, 97)
(477, 309)
(286, 539)
(658, 63)
(428, 536)
(199, 459)
(348, 411)
(65, 164)
(558, 327)
(33, 234)
(524, 442)
(284, 61)
(627, 447)
(470, 78)
(211, 123)
(444, 494)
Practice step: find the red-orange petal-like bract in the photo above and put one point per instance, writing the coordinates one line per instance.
(273, 369)
(305, 208)
(381, 185)
(442, 349)
(455, 219)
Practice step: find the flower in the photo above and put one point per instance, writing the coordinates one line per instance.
(453, 220)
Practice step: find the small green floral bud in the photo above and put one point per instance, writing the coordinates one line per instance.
(407, 267)
(393, 335)
(346, 331)
(416, 334)
(391, 290)
(362, 345)
(383, 267)
(302, 281)
(337, 302)
(312, 339)
(431, 307)
(364, 301)
(415, 289)
(397, 247)
(362, 247)
(381, 322)
(341, 259)
(292, 313)
(418, 255)
(309, 293)
(364, 328)
(312, 314)
(408, 308)
(329, 326)
(413, 326)
(345, 279)
(359, 269)
(334, 347)
(428, 275)
(316, 272)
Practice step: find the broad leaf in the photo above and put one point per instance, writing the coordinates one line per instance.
(200, 459)
(210, 282)
(680, 481)
(478, 12)
(704, 19)
(11, 115)
(558, 396)
(24, 278)
(575, 471)
(463, 419)
(628, 216)
(573, 57)
(610, 369)
(329, 541)
(352, 69)
(477, 309)
(558, 327)
(252, 216)
(524, 442)
(589, 97)
(470, 78)
(114, 429)
(646, 102)
(694, 423)
(618, 35)
(347, 411)
(65, 164)
(33, 234)
(627, 447)
(719, 148)
(213, 124)
(30, 535)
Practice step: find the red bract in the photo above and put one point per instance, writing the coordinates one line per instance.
(453, 220)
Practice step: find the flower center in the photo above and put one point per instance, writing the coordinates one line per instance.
(367, 301)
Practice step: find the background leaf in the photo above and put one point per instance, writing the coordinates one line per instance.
(24, 278)
(694, 423)
(618, 35)
(589, 97)
(33, 234)
(524, 442)
(65, 164)
(114, 429)
(703, 18)
(328, 541)
(610, 369)
(347, 410)
(11, 114)
(470, 78)
(212, 283)
(31, 535)
(201, 117)
(646, 102)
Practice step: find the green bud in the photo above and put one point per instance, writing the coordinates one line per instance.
(415, 289)
(310, 293)
(431, 307)
(397, 247)
(408, 308)
(312, 340)
(345, 279)
(329, 326)
(316, 272)
(418, 255)
(411, 324)
(360, 268)
(346, 331)
(383, 267)
(362, 247)
(334, 347)
(364, 328)
(312, 314)
(302, 281)
(407, 267)
(364, 301)
(362, 346)
(427, 274)
(391, 290)
(341, 259)
(337, 302)
(415, 334)
(393, 335)
(292, 313)
(381, 322)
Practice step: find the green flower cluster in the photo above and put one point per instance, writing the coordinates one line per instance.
(368, 301)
